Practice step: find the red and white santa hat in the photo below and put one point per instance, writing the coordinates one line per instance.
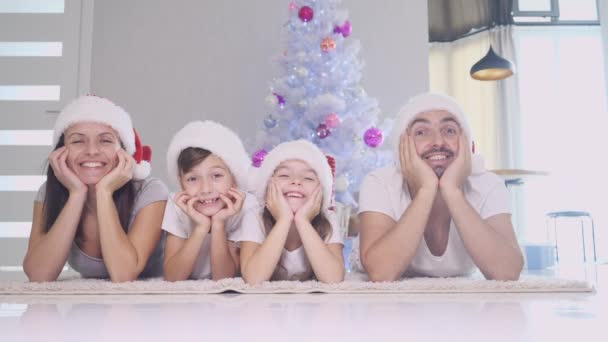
(302, 150)
(91, 108)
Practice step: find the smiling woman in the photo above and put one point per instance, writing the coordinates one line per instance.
(98, 200)
(91, 150)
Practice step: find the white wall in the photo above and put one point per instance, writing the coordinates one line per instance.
(603, 13)
(170, 62)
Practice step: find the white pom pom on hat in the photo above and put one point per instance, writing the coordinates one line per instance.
(143, 158)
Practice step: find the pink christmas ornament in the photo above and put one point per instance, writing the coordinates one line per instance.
(322, 131)
(332, 120)
(373, 137)
(345, 30)
(258, 158)
(306, 14)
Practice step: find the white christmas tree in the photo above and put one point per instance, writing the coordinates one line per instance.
(318, 96)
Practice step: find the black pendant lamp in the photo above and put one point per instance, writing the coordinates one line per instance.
(492, 67)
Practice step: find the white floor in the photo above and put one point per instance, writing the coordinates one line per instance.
(318, 317)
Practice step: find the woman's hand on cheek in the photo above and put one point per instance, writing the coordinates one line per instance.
(58, 162)
(276, 203)
(311, 208)
(234, 203)
(120, 175)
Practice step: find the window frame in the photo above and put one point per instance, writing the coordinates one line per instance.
(553, 14)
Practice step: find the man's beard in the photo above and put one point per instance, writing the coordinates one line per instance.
(439, 170)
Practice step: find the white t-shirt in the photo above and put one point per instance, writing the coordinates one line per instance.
(181, 225)
(383, 191)
(293, 265)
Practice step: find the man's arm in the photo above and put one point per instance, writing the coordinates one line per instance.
(491, 243)
(387, 247)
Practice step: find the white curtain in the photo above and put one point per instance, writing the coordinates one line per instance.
(551, 116)
(492, 106)
(564, 122)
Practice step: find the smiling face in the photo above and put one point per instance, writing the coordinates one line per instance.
(92, 150)
(296, 180)
(206, 180)
(436, 135)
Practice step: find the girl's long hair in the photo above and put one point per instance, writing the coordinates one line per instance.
(57, 196)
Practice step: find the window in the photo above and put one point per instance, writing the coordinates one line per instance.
(32, 6)
(559, 12)
(563, 116)
(535, 8)
(43, 64)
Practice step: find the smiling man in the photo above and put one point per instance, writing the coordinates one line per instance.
(436, 212)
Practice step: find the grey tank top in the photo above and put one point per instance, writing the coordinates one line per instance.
(147, 191)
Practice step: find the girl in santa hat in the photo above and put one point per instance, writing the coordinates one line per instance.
(208, 162)
(300, 238)
(98, 209)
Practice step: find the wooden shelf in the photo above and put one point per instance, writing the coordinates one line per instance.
(517, 176)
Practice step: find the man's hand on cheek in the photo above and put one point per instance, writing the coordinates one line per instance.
(416, 171)
(459, 170)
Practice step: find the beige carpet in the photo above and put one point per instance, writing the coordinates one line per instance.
(354, 283)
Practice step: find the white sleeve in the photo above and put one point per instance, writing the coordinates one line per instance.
(151, 190)
(250, 228)
(247, 225)
(497, 202)
(336, 232)
(172, 223)
(374, 196)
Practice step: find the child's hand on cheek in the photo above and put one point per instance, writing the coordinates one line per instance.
(311, 208)
(276, 203)
(186, 203)
(234, 203)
